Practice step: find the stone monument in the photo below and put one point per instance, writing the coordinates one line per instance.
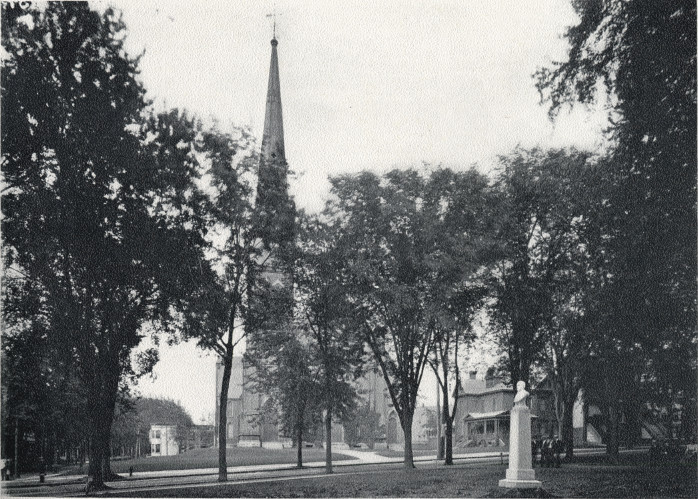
(520, 474)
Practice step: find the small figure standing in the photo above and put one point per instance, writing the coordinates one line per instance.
(558, 448)
(534, 451)
(545, 452)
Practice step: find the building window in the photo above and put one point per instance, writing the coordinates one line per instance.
(157, 448)
(490, 426)
(157, 434)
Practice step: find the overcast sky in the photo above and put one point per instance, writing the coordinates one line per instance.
(364, 85)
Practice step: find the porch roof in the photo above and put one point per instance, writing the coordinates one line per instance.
(486, 415)
(475, 416)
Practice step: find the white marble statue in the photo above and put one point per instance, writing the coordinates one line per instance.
(521, 394)
(520, 473)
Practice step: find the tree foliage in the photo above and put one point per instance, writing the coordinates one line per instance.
(96, 221)
(403, 248)
(641, 58)
(286, 374)
(324, 316)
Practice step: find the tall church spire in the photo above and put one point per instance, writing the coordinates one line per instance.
(273, 139)
(275, 208)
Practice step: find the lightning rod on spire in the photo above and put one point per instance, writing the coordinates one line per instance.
(273, 17)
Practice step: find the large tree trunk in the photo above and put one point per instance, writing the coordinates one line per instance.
(449, 441)
(448, 433)
(106, 460)
(102, 414)
(96, 456)
(108, 417)
(223, 418)
(96, 446)
(328, 440)
(407, 430)
(299, 444)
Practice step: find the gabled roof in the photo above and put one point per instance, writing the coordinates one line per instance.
(481, 388)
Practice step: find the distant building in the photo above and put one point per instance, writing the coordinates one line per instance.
(482, 415)
(163, 440)
(199, 437)
(251, 421)
(482, 418)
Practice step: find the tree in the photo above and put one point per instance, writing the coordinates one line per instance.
(94, 207)
(285, 372)
(364, 426)
(248, 245)
(644, 53)
(231, 249)
(323, 312)
(399, 255)
(522, 289)
(460, 204)
(49, 404)
(548, 269)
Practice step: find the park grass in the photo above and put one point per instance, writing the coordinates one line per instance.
(587, 477)
(432, 452)
(399, 453)
(208, 458)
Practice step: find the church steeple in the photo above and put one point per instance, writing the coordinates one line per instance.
(275, 208)
(273, 139)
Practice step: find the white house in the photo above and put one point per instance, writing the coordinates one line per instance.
(163, 440)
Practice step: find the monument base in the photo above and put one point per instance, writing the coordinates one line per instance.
(521, 474)
(520, 484)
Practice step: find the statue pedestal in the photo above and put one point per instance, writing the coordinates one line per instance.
(520, 474)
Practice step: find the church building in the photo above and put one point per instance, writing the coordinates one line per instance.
(250, 420)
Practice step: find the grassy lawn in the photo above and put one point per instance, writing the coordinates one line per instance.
(588, 477)
(208, 458)
(399, 453)
(432, 452)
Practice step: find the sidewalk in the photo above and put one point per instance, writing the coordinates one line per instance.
(361, 458)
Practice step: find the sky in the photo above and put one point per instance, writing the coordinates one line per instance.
(364, 86)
